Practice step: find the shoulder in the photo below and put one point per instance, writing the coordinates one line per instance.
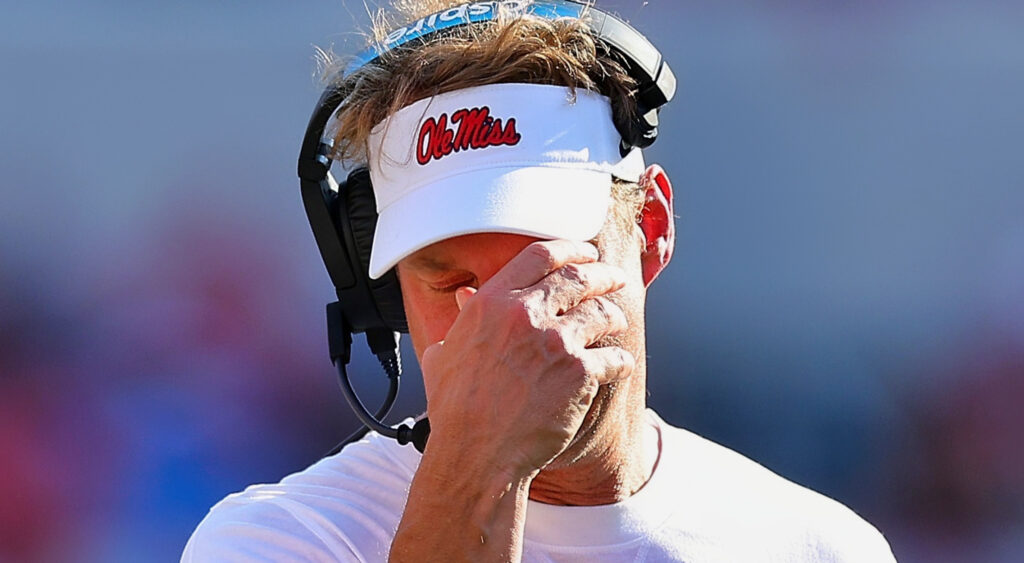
(345, 507)
(739, 500)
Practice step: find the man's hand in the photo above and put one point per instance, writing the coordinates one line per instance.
(518, 370)
(507, 390)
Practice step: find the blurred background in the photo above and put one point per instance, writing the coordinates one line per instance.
(846, 302)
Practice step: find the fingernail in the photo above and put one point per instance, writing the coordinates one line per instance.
(462, 295)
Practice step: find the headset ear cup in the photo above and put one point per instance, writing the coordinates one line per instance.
(362, 218)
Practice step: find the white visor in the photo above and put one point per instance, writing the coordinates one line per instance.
(507, 158)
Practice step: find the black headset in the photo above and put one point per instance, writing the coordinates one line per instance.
(344, 216)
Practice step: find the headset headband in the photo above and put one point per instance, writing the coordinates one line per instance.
(644, 63)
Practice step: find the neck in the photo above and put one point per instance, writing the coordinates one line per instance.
(613, 457)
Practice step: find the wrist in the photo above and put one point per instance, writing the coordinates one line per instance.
(461, 509)
(481, 457)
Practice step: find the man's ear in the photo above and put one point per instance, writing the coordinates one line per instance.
(657, 222)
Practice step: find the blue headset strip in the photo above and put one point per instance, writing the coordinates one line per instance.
(470, 12)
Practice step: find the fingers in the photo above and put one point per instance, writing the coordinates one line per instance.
(594, 319)
(561, 273)
(538, 260)
(572, 284)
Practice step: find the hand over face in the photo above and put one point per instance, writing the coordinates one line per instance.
(519, 367)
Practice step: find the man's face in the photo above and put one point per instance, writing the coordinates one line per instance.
(430, 276)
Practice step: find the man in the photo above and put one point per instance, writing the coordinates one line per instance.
(524, 241)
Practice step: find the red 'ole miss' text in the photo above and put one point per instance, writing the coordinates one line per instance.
(476, 130)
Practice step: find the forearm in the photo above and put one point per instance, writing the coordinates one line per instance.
(456, 512)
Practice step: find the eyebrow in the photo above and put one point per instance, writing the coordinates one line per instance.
(430, 263)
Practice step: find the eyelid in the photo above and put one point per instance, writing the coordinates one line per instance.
(446, 286)
(450, 288)
(447, 289)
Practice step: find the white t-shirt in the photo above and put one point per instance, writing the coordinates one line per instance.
(704, 503)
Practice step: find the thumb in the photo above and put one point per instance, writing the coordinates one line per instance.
(463, 294)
